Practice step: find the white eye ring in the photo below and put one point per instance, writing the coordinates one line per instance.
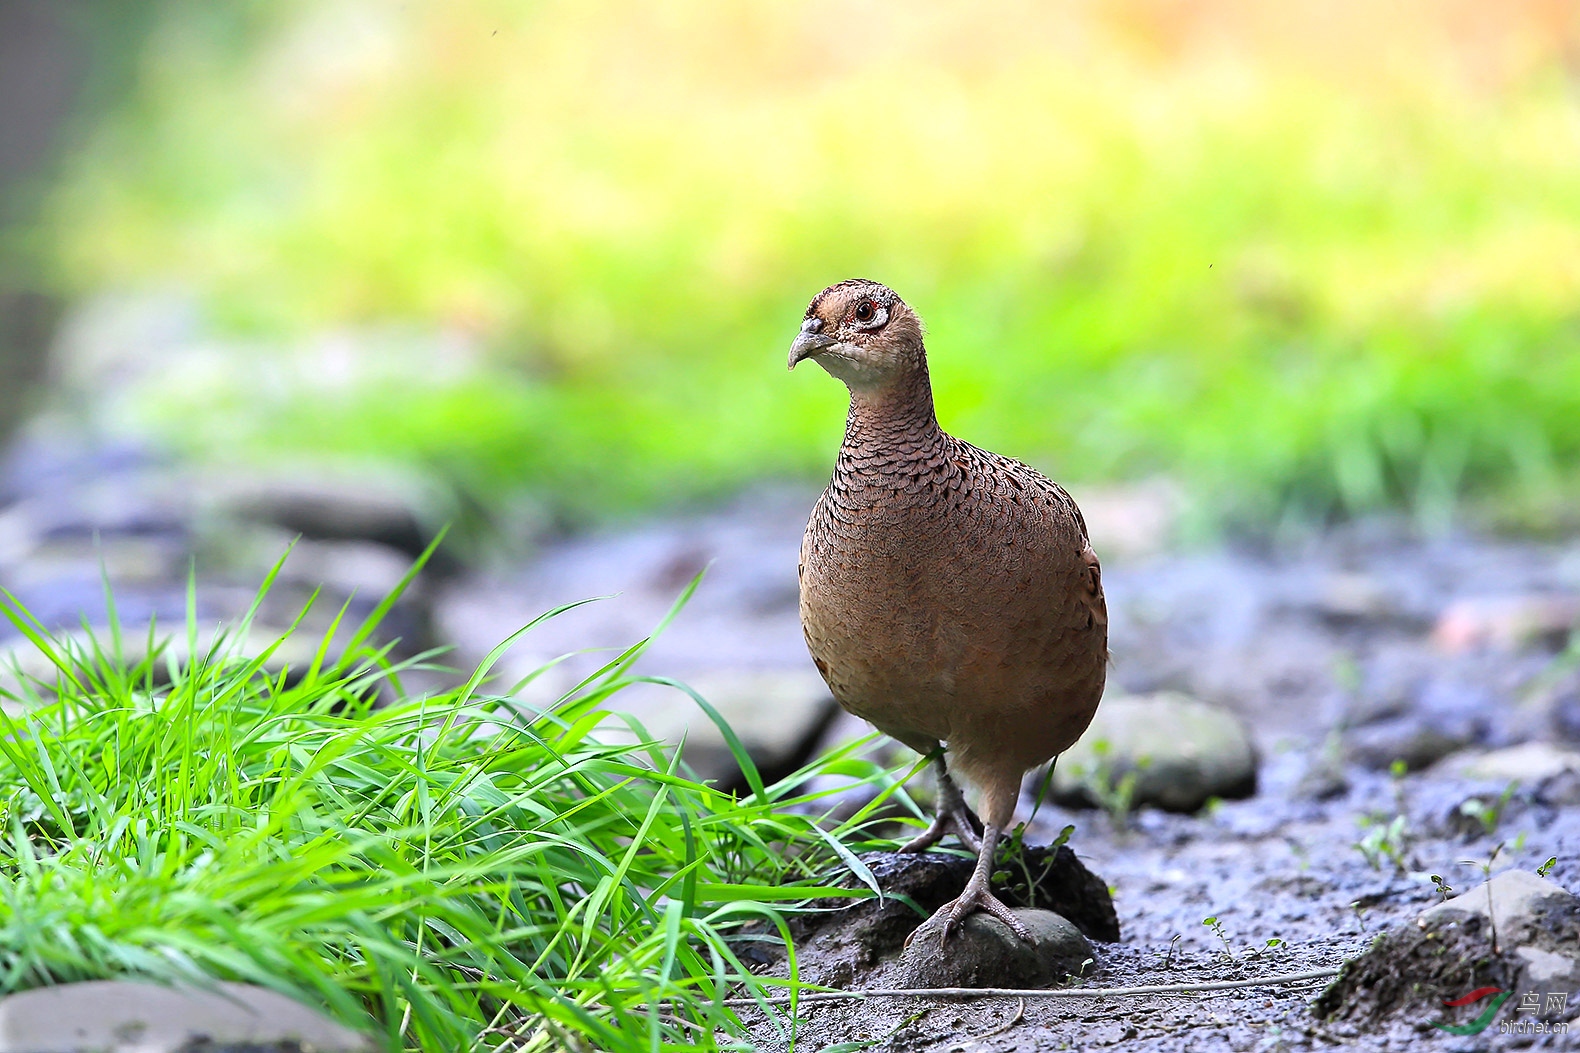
(880, 315)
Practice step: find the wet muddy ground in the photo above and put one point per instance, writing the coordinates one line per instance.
(1370, 666)
(1372, 669)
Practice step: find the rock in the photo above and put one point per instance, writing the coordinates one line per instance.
(1528, 763)
(1546, 969)
(778, 715)
(1322, 780)
(1561, 790)
(1347, 599)
(1564, 709)
(843, 793)
(847, 942)
(1442, 715)
(1537, 918)
(737, 641)
(21, 663)
(1506, 622)
(1513, 897)
(1412, 740)
(983, 952)
(1551, 773)
(1481, 814)
(1180, 750)
(365, 569)
(326, 506)
(131, 1017)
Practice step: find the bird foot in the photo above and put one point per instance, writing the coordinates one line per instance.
(977, 896)
(952, 817)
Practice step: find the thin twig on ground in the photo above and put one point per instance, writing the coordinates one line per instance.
(813, 997)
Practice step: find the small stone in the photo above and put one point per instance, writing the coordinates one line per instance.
(1551, 773)
(1511, 897)
(778, 715)
(983, 952)
(1413, 739)
(1564, 709)
(327, 507)
(1348, 599)
(1544, 968)
(133, 1017)
(362, 568)
(1528, 763)
(1506, 622)
(1181, 751)
(1561, 790)
(21, 663)
(1323, 780)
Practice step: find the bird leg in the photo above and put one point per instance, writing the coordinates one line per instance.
(998, 809)
(950, 816)
(978, 894)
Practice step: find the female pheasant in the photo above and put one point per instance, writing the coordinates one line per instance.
(948, 595)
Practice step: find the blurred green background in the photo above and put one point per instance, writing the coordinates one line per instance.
(1305, 259)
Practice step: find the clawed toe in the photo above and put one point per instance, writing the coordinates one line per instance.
(980, 899)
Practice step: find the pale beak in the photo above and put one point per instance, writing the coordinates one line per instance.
(810, 341)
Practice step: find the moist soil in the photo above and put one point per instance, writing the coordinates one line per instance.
(1328, 653)
(1364, 662)
(1278, 867)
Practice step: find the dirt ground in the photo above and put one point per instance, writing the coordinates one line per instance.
(1335, 656)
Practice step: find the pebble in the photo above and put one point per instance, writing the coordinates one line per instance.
(122, 1016)
(983, 952)
(778, 716)
(1529, 763)
(1513, 897)
(1506, 622)
(1181, 750)
(1551, 773)
(390, 510)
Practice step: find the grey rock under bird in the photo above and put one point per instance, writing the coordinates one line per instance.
(948, 595)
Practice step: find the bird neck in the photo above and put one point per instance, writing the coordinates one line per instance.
(898, 415)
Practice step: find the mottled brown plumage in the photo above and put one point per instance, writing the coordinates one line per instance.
(948, 594)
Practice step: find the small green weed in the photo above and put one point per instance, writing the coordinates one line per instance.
(1218, 930)
(1489, 813)
(1014, 871)
(1485, 866)
(1385, 842)
(1113, 790)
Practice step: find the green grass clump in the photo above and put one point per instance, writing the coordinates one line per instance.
(1309, 266)
(450, 872)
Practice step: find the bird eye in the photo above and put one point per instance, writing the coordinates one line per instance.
(869, 315)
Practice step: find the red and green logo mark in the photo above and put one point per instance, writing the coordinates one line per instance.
(1482, 1022)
